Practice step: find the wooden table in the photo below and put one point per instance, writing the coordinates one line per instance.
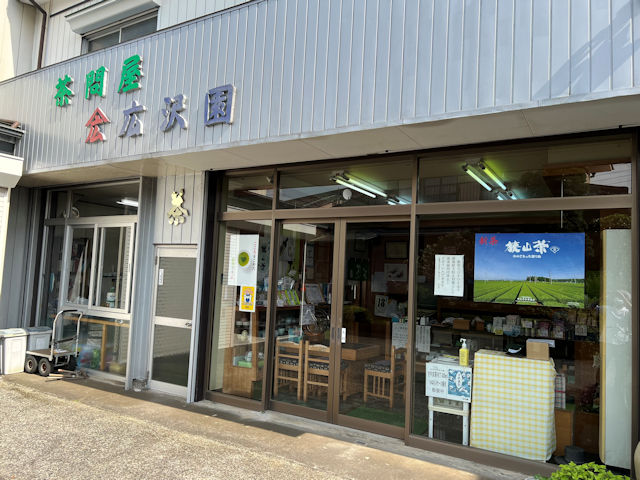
(360, 351)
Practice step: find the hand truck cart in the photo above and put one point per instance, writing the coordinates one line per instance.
(45, 360)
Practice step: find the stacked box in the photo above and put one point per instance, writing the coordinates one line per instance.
(561, 391)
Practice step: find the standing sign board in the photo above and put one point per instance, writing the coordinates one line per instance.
(452, 382)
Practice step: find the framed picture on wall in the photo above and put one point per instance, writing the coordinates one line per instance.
(397, 250)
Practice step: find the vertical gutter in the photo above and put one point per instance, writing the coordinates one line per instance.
(42, 31)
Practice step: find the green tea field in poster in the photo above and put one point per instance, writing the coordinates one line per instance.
(545, 269)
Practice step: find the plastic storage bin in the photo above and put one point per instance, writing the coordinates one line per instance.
(38, 338)
(13, 345)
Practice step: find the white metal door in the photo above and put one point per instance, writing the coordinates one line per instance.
(173, 316)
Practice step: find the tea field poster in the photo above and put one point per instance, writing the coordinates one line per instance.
(545, 269)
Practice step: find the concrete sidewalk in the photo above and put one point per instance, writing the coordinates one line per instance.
(54, 429)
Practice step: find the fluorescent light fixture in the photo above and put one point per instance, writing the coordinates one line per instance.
(362, 184)
(301, 228)
(492, 175)
(468, 169)
(511, 195)
(392, 200)
(353, 187)
(129, 202)
(501, 196)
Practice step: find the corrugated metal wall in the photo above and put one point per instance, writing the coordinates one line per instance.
(191, 230)
(19, 269)
(305, 67)
(138, 355)
(4, 212)
(61, 42)
(17, 39)
(173, 12)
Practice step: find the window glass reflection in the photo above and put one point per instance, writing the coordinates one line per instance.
(543, 301)
(385, 182)
(560, 169)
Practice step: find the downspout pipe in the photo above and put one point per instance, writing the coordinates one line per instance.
(42, 30)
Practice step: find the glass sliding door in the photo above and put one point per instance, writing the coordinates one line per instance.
(237, 359)
(303, 314)
(374, 326)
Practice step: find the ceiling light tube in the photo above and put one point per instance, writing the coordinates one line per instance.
(353, 187)
(468, 170)
(511, 195)
(492, 175)
(501, 196)
(366, 186)
(128, 202)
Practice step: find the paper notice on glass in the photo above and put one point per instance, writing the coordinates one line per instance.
(243, 260)
(449, 276)
(423, 338)
(399, 334)
(247, 298)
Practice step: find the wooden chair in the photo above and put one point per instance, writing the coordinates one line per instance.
(288, 365)
(316, 369)
(386, 376)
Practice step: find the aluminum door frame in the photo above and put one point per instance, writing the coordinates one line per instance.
(175, 251)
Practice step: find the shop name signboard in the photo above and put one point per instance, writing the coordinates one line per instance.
(545, 269)
(218, 102)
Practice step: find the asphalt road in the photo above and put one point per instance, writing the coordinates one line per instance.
(61, 430)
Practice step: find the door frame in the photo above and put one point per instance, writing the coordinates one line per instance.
(180, 251)
(332, 413)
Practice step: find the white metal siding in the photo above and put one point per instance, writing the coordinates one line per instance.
(61, 42)
(4, 212)
(309, 67)
(173, 12)
(190, 231)
(17, 24)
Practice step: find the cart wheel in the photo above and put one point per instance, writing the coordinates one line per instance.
(44, 367)
(73, 363)
(30, 364)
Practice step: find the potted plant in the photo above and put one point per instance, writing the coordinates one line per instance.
(586, 471)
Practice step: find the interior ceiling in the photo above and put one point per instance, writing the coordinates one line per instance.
(558, 119)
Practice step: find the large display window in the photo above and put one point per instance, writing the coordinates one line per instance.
(543, 303)
(88, 252)
(478, 296)
(238, 351)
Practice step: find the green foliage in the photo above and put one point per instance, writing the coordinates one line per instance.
(586, 471)
(556, 294)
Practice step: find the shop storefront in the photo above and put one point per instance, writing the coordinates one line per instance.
(341, 292)
(319, 208)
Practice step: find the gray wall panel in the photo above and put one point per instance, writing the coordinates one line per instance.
(304, 68)
(144, 271)
(16, 307)
(190, 231)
